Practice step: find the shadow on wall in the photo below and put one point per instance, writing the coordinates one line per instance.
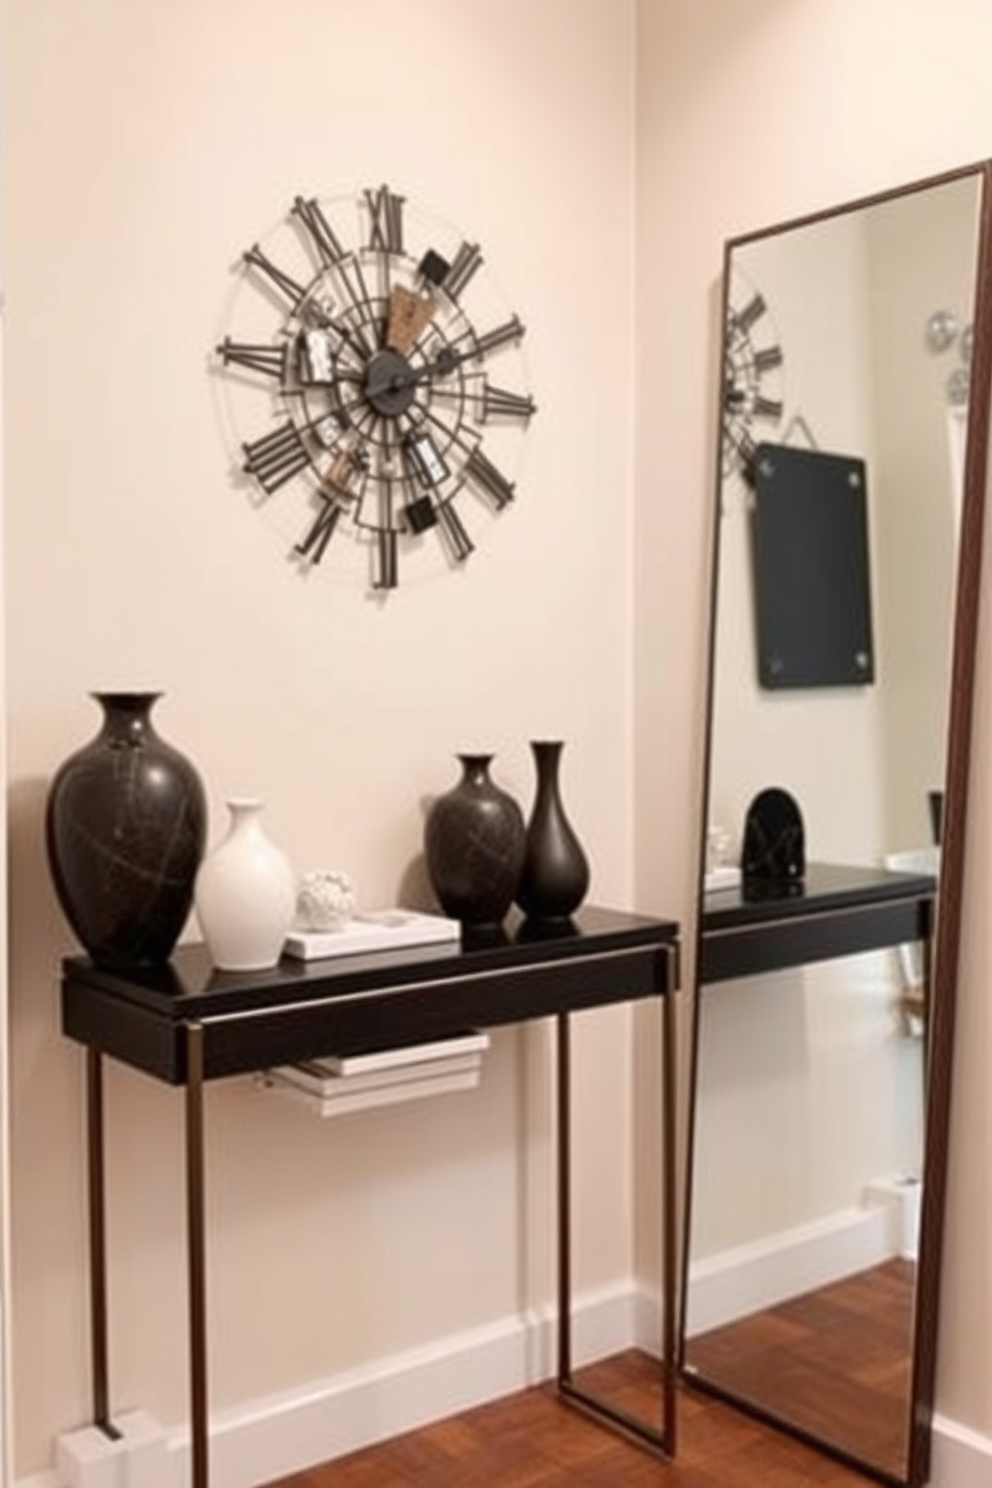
(414, 889)
(36, 922)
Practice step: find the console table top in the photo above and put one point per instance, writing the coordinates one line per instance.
(302, 1009)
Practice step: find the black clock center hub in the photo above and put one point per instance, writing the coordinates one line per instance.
(390, 385)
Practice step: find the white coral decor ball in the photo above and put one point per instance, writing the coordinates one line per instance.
(324, 900)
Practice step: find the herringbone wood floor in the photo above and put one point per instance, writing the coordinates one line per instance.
(534, 1440)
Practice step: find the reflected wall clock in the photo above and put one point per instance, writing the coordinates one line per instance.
(752, 376)
(374, 386)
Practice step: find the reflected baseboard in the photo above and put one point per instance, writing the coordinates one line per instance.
(902, 1198)
(734, 1283)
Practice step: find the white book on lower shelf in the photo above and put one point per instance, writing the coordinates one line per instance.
(377, 1077)
(341, 1103)
(329, 1086)
(379, 1059)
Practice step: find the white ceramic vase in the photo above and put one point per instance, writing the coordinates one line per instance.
(245, 894)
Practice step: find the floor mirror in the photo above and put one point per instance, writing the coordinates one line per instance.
(853, 431)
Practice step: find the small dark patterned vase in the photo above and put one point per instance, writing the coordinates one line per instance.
(125, 826)
(474, 846)
(555, 877)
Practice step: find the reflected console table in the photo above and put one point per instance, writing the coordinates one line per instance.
(186, 1024)
(836, 911)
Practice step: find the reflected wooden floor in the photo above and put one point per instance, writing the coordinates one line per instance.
(835, 1362)
(534, 1440)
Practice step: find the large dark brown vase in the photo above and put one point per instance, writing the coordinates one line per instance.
(125, 828)
(555, 876)
(474, 846)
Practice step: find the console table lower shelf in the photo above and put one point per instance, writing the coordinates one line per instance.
(186, 1024)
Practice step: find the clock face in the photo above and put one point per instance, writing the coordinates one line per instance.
(374, 387)
(752, 382)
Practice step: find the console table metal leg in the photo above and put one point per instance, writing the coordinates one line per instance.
(96, 1201)
(564, 1128)
(196, 1257)
(662, 1440)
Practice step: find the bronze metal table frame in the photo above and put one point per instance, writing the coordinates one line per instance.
(187, 1024)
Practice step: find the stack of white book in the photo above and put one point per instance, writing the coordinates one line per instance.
(355, 1082)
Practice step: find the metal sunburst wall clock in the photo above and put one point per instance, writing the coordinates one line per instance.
(752, 380)
(374, 385)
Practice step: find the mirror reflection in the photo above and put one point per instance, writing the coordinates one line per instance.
(846, 356)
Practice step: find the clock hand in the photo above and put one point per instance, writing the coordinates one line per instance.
(444, 363)
(448, 358)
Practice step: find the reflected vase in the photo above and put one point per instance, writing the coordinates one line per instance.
(125, 826)
(555, 877)
(245, 894)
(474, 846)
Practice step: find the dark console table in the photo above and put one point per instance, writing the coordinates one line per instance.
(187, 1024)
(836, 911)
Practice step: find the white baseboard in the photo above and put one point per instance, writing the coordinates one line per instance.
(274, 1437)
(960, 1457)
(282, 1434)
(278, 1435)
(747, 1279)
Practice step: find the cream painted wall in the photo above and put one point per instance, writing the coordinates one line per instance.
(145, 146)
(748, 114)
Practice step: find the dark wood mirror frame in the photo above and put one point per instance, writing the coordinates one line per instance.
(944, 969)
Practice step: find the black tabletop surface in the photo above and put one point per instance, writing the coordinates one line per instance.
(189, 986)
(382, 999)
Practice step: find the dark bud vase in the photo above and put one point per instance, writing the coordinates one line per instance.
(125, 828)
(474, 846)
(555, 876)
